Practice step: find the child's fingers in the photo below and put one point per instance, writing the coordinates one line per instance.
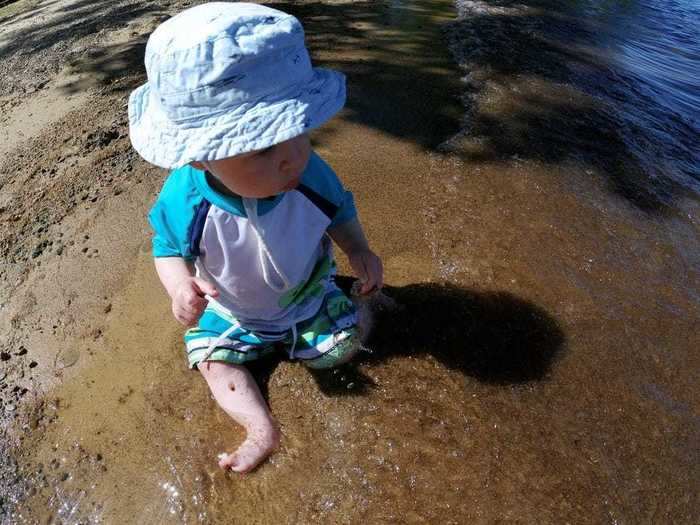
(205, 287)
(193, 303)
(361, 271)
(374, 273)
(378, 272)
(369, 284)
(189, 309)
(188, 316)
(185, 318)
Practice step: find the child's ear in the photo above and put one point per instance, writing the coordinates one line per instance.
(198, 165)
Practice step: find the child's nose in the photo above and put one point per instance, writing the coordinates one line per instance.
(294, 156)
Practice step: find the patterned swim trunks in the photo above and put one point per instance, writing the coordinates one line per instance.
(328, 339)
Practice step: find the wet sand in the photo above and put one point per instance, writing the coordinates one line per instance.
(542, 366)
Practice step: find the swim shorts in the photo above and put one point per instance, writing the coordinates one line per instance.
(328, 339)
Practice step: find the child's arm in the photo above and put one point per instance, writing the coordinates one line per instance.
(364, 262)
(186, 291)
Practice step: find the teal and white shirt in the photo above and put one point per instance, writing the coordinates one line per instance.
(270, 259)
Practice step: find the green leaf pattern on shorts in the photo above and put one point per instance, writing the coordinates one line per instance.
(312, 287)
(338, 306)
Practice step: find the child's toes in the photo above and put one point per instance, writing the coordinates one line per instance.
(228, 461)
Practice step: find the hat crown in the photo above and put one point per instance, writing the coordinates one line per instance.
(212, 56)
(226, 79)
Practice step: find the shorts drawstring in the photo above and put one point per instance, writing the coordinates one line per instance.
(212, 347)
(294, 342)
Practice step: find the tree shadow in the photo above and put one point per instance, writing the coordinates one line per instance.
(19, 10)
(493, 337)
(403, 81)
(401, 78)
(107, 67)
(77, 20)
(74, 37)
(563, 97)
(546, 63)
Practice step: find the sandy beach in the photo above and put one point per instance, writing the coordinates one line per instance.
(542, 366)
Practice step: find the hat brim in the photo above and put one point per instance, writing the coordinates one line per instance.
(247, 127)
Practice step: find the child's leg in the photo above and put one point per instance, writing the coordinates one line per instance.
(335, 334)
(238, 394)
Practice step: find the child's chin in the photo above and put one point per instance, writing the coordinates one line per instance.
(291, 186)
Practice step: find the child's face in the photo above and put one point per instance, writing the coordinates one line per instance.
(262, 173)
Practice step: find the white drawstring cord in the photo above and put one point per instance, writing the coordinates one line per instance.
(263, 251)
(212, 347)
(294, 343)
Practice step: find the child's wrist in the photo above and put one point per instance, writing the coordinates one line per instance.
(359, 250)
(177, 285)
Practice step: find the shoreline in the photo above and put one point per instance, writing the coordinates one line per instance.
(542, 369)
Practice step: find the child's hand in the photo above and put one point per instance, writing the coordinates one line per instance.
(368, 269)
(189, 301)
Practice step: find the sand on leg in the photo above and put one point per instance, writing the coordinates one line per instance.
(236, 391)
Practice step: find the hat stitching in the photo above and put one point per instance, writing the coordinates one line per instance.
(253, 145)
(217, 119)
(215, 144)
(261, 137)
(252, 60)
(226, 81)
(221, 35)
(296, 96)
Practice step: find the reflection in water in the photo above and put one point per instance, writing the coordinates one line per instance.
(652, 53)
(614, 83)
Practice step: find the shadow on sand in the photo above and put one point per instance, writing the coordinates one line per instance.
(493, 337)
(74, 37)
(560, 96)
(535, 59)
(403, 81)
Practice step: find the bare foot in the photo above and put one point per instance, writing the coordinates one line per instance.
(258, 445)
(238, 394)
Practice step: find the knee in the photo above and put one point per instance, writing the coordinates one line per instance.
(340, 354)
(223, 377)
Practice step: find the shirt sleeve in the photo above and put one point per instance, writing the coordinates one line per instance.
(321, 178)
(172, 215)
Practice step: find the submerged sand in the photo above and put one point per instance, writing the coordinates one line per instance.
(542, 366)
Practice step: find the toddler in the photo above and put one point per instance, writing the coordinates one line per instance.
(244, 222)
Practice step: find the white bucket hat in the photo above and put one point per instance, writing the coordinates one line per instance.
(225, 79)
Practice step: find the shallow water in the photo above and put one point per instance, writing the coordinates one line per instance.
(541, 366)
(652, 50)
